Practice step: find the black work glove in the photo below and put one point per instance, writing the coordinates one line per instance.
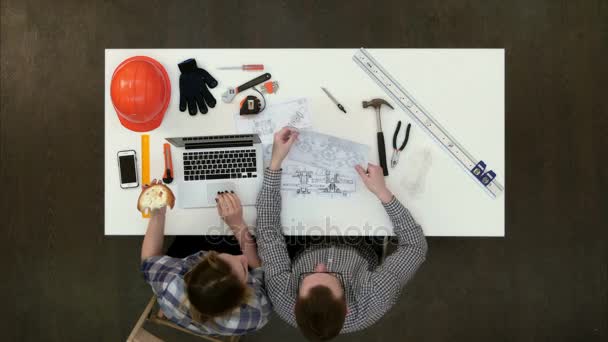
(193, 83)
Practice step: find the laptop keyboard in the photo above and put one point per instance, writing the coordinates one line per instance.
(204, 165)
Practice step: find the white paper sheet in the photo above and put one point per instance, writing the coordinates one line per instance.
(300, 179)
(329, 152)
(294, 113)
(304, 180)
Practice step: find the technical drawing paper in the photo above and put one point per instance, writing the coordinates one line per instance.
(294, 113)
(266, 154)
(301, 179)
(329, 152)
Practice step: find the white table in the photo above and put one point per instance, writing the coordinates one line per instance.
(464, 89)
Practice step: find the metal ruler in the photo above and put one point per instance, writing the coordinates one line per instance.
(474, 167)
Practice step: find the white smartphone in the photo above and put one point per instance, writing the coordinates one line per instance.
(127, 165)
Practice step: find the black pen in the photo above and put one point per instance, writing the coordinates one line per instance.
(334, 100)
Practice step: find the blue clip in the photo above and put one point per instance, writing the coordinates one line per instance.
(484, 177)
(487, 178)
(478, 170)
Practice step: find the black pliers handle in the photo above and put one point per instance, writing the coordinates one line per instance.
(396, 151)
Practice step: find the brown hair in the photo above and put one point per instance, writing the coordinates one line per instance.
(213, 289)
(320, 315)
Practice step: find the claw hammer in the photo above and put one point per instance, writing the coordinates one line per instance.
(377, 103)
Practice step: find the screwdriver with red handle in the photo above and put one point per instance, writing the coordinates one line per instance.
(246, 67)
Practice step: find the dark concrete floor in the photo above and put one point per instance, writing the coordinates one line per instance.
(546, 281)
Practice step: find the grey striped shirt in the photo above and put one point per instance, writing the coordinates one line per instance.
(371, 289)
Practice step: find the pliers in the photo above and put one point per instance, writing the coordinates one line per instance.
(396, 151)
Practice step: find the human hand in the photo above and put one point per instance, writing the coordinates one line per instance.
(230, 210)
(374, 181)
(156, 212)
(283, 140)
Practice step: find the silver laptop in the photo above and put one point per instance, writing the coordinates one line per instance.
(209, 164)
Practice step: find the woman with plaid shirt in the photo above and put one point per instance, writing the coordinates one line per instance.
(207, 292)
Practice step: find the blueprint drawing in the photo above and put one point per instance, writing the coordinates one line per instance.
(303, 180)
(328, 152)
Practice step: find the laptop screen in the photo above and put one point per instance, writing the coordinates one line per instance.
(215, 141)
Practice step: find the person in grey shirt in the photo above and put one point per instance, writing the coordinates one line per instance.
(330, 289)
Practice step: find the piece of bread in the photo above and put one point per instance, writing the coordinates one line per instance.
(155, 197)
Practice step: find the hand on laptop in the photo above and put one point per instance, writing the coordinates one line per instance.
(231, 211)
(374, 181)
(283, 140)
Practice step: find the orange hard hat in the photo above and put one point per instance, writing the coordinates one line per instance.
(140, 92)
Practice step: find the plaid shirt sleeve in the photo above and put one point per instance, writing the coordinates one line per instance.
(399, 268)
(269, 233)
(271, 246)
(263, 307)
(158, 271)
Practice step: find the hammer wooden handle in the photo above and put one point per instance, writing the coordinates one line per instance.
(382, 153)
